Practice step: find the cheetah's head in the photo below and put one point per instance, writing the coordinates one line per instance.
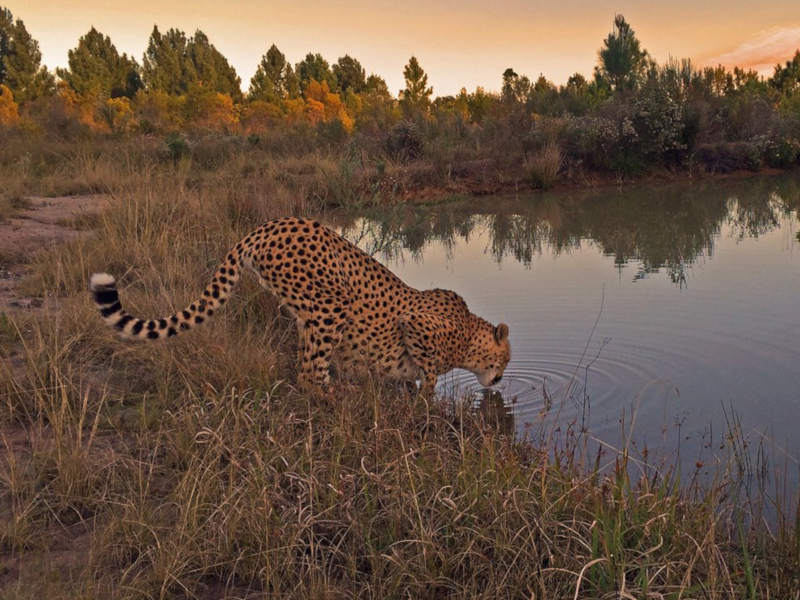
(488, 353)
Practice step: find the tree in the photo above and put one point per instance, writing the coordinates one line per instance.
(376, 85)
(6, 25)
(350, 75)
(96, 68)
(271, 78)
(20, 61)
(515, 88)
(576, 94)
(291, 83)
(313, 66)
(165, 66)
(214, 73)
(175, 64)
(786, 79)
(543, 97)
(510, 77)
(416, 96)
(621, 58)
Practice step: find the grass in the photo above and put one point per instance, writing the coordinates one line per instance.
(194, 469)
(543, 167)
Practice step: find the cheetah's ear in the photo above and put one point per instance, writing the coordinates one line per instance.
(501, 333)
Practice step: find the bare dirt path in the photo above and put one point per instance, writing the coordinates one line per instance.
(43, 223)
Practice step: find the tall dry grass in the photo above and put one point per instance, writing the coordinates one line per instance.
(544, 166)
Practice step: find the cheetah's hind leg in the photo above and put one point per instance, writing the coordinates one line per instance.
(317, 341)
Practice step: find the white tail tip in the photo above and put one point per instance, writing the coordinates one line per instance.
(101, 280)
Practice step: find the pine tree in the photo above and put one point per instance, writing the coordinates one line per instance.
(417, 95)
(271, 78)
(214, 73)
(510, 79)
(96, 68)
(20, 61)
(350, 75)
(622, 60)
(313, 66)
(291, 83)
(165, 66)
(176, 64)
(6, 25)
(786, 79)
(376, 85)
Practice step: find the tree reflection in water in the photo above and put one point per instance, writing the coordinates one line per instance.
(660, 227)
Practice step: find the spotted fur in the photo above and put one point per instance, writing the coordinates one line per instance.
(347, 306)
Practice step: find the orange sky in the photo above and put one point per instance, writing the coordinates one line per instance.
(459, 43)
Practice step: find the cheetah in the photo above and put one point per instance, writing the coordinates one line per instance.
(346, 304)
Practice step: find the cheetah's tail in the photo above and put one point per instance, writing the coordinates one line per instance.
(103, 288)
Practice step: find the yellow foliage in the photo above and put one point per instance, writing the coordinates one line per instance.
(259, 115)
(158, 111)
(118, 114)
(9, 110)
(71, 106)
(323, 105)
(295, 109)
(347, 121)
(314, 110)
(210, 110)
(316, 90)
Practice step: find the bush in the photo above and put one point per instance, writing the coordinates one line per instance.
(177, 146)
(725, 157)
(404, 141)
(783, 153)
(598, 142)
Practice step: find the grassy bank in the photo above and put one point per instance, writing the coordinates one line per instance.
(195, 469)
(301, 169)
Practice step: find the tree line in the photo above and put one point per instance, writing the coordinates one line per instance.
(630, 112)
(191, 68)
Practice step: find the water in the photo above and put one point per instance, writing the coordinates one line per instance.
(661, 317)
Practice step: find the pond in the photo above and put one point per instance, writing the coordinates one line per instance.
(662, 318)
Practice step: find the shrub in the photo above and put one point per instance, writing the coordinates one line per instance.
(724, 157)
(177, 146)
(659, 124)
(782, 153)
(592, 140)
(9, 110)
(404, 141)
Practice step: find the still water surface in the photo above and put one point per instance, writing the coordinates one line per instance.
(663, 314)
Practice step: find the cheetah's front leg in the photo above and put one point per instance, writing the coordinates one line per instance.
(425, 337)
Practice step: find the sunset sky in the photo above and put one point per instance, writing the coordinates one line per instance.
(459, 43)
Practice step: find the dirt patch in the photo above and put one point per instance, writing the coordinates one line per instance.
(42, 223)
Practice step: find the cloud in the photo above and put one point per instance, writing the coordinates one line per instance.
(762, 52)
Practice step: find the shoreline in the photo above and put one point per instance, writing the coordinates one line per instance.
(432, 195)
